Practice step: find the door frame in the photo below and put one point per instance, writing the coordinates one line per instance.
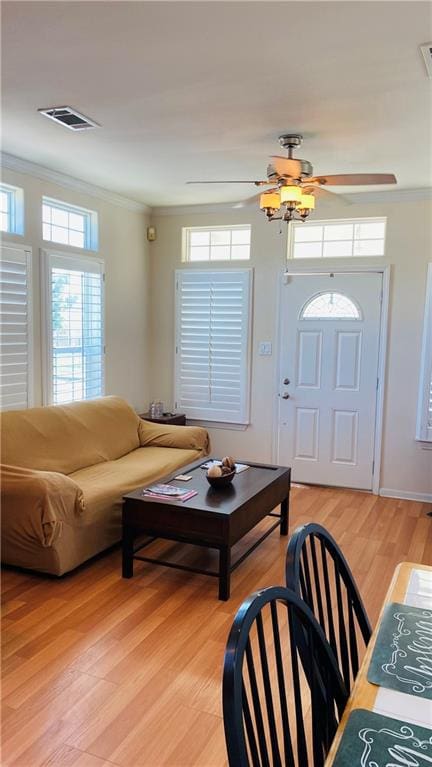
(330, 267)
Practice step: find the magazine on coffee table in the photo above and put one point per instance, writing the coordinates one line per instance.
(169, 492)
(166, 490)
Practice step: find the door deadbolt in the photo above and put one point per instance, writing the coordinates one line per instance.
(285, 395)
(286, 381)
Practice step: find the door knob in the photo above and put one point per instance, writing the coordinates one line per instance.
(286, 381)
(285, 395)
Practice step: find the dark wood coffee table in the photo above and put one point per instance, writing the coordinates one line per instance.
(212, 518)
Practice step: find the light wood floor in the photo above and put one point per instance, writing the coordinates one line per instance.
(99, 671)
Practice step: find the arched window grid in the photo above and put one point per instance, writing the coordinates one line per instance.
(330, 305)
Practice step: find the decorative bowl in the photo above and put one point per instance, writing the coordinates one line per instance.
(223, 481)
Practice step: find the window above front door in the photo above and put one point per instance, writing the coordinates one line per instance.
(330, 306)
(341, 238)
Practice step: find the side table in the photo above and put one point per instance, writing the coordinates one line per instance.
(178, 419)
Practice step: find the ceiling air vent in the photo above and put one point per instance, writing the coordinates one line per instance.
(69, 118)
(426, 50)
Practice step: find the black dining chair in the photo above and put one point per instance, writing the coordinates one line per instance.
(318, 572)
(283, 695)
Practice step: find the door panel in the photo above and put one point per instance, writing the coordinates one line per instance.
(309, 359)
(306, 434)
(345, 436)
(329, 354)
(348, 360)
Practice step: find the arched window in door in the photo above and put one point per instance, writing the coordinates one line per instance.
(330, 306)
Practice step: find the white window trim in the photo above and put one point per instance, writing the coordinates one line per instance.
(16, 201)
(186, 230)
(30, 359)
(423, 433)
(69, 260)
(91, 234)
(326, 222)
(242, 423)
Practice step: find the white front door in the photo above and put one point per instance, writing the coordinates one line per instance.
(330, 328)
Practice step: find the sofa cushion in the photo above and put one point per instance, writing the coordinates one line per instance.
(66, 438)
(104, 484)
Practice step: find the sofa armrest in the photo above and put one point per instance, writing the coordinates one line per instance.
(186, 437)
(36, 503)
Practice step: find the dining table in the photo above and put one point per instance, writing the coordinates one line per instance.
(411, 586)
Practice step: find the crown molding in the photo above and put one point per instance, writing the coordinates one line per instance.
(358, 198)
(29, 168)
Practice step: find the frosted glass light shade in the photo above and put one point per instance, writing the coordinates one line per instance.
(307, 202)
(270, 200)
(290, 194)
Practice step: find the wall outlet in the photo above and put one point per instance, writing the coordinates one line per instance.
(265, 348)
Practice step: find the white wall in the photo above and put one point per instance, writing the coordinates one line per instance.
(124, 248)
(406, 464)
(140, 314)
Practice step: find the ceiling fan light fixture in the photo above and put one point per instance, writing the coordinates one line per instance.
(307, 202)
(305, 206)
(290, 195)
(294, 186)
(270, 200)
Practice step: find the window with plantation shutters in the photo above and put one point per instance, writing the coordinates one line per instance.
(15, 332)
(424, 416)
(75, 328)
(213, 344)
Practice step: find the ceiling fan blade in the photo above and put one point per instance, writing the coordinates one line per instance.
(319, 191)
(286, 167)
(254, 198)
(257, 183)
(356, 179)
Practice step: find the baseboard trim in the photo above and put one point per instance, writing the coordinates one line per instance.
(407, 495)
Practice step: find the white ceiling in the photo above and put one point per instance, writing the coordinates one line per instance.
(201, 90)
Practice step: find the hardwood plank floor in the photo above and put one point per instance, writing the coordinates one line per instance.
(104, 672)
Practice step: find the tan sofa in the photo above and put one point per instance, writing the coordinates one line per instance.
(65, 470)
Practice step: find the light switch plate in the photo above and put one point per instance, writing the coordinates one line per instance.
(265, 348)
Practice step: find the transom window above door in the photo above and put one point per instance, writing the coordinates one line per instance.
(343, 238)
(330, 306)
(216, 243)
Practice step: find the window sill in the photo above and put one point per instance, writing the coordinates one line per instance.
(217, 424)
(424, 444)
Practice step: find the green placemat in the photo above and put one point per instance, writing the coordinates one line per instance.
(402, 656)
(373, 740)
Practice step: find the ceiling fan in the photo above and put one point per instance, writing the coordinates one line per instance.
(294, 187)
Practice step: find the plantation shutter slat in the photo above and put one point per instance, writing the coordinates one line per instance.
(212, 344)
(15, 389)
